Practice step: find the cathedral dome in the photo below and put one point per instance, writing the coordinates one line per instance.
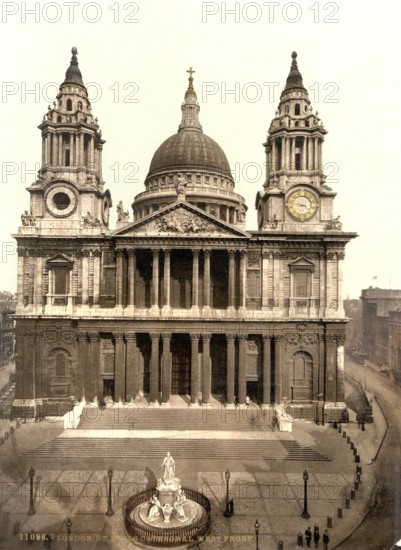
(189, 149)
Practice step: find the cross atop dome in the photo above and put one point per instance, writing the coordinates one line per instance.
(190, 90)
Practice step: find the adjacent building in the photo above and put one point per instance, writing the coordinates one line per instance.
(183, 299)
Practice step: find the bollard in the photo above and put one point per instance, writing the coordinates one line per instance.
(344, 434)
(348, 439)
(231, 507)
(356, 485)
(17, 424)
(358, 478)
(357, 458)
(329, 521)
(11, 429)
(339, 512)
(355, 451)
(352, 446)
(300, 539)
(352, 494)
(339, 428)
(335, 425)
(280, 545)
(359, 470)
(347, 503)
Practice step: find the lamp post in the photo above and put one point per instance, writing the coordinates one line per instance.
(227, 513)
(257, 527)
(110, 511)
(31, 510)
(68, 525)
(305, 513)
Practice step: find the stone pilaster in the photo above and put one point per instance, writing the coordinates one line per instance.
(195, 278)
(266, 369)
(230, 368)
(131, 276)
(155, 278)
(231, 278)
(131, 388)
(119, 367)
(242, 368)
(206, 279)
(154, 368)
(206, 369)
(194, 368)
(94, 362)
(80, 390)
(166, 368)
(278, 366)
(166, 277)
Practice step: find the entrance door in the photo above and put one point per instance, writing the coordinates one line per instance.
(181, 365)
(108, 388)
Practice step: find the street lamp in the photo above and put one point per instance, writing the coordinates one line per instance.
(257, 527)
(110, 511)
(227, 512)
(69, 525)
(305, 513)
(31, 510)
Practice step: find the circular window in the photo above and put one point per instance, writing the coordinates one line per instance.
(61, 201)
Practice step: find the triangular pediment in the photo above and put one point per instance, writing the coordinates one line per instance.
(180, 219)
(302, 263)
(60, 260)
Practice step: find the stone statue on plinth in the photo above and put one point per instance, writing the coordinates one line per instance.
(168, 468)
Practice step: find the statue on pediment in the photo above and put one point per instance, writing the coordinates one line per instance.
(91, 221)
(27, 219)
(122, 216)
(180, 185)
(335, 223)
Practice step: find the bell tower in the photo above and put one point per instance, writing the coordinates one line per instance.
(295, 196)
(68, 194)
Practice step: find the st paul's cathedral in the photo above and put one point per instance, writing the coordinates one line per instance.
(183, 299)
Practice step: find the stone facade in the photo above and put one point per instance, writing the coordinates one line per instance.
(183, 299)
(7, 330)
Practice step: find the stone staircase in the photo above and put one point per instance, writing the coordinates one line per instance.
(184, 449)
(163, 419)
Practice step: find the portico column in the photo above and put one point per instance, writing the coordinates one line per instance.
(206, 369)
(194, 368)
(119, 278)
(231, 278)
(166, 368)
(82, 390)
(131, 379)
(119, 368)
(206, 279)
(131, 276)
(155, 278)
(166, 277)
(154, 368)
(93, 370)
(195, 278)
(242, 279)
(230, 368)
(242, 368)
(278, 360)
(266, 369)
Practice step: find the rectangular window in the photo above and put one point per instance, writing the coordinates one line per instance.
(301, 280)
(61, 280)
(297, 161)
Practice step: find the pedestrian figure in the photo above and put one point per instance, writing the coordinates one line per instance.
(326, 540)
(47, 543)
(247, 401)
(308, 537)
(316, 536)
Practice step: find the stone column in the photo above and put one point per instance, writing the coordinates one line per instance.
(230, 368)
(278, 365)
(96, 277)
(82, 389)
(85, 278)
(206, 278)
(320, 154)
(242, 368)
(38, 282)
(155, 278)
(20, 278)
(331, 367)
(287, 154)
(131, 276)
(316, 153)
(195, 278)
(303, 165)
(154, 368)
(81, 148)
(93, 370)
(194, 368)
(265, 279)
(48, 148)
(91, 160)
(166, 368)
(119, 278)
(119, 367)
(242, 279)
(206, 369)
(274, 168)
(231, 278)
(131, 379)
(310, 153)
(60, 150)
(166, 277)
(43, 150)
(77, 142)
(266, 369)
(54, 149)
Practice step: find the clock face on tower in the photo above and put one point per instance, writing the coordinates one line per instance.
(302, 204)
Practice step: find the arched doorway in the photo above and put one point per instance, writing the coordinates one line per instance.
(181, 364)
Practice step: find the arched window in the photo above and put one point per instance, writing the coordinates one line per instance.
(80, 105)
(69, 105)
(59, 118)
(307, 123)
(297, 110)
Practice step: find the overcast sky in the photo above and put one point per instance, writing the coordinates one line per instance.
(134, 57)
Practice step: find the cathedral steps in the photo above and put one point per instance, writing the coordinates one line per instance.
(93, 447)
(216, 419)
